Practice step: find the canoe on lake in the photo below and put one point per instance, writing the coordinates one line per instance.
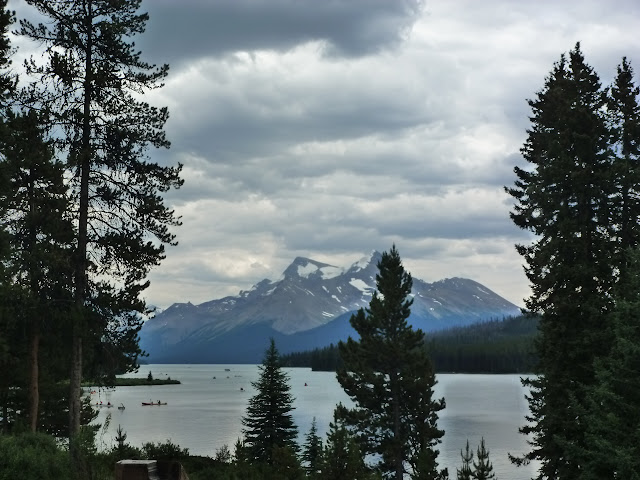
(150, 404)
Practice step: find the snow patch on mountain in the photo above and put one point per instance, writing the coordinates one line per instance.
(363, 262)
(305, 270)
(330, 272)
(360, 285)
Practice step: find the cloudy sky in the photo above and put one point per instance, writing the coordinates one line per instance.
(328, 129)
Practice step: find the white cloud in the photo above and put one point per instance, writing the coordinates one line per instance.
(329, 129)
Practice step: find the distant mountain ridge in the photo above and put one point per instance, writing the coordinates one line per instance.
(308, 306)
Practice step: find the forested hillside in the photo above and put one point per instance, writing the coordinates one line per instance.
(497, 346)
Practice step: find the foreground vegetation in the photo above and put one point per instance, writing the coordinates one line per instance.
(36, 456)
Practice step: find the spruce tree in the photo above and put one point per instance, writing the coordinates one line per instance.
(623, 113)
(564, 199)
(482, 469)
(9, 362)
(312, 450)
(612, 437)
(465, 472)
(8, 80)
(40, 237)
(89, 83)
(388, 375)
(613, 446)
(342, 457)
(268, 423)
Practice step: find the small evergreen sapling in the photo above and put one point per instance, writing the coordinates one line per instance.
(465, 473)
(268, 423)
(483, 469)
(312, 450)
(342, 457)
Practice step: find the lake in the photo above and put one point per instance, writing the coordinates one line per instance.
(204, 413)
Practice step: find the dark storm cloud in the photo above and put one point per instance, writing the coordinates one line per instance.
(274, 112)
(183, 31)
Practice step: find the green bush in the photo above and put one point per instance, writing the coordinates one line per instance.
(33, 456)
(164, 451)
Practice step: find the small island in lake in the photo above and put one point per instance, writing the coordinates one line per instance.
(136, 382)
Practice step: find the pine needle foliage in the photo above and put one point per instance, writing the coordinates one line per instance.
(579, 196)
(482, 469)
(89, 84)
(342, 457)
(465, 472)
(312, 450)
(268, 423)
(390, 378)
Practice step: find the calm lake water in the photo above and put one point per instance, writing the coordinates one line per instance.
(204, 413)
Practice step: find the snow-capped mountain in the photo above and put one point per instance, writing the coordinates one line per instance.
(310, 304)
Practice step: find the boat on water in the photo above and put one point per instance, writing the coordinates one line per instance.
(151, 404)
(121, 406)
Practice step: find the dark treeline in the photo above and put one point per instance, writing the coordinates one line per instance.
(496, 346)
(325, 359)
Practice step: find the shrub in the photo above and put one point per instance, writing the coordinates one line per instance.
(33, 456)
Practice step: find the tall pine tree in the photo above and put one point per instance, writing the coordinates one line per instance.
(268, 424)
(613, 446)
(89, 83)
(564, 199)
(8, 80)
(388, 375)
(613, 439)
(40, 236)
(623, 112)
(7, 360)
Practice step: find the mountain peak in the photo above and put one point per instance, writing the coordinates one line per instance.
(372, 259)
(311, 296)
(305, 268)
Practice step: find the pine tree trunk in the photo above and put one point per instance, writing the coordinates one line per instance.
(81, 259)
(76, 383)
(34, 342)
(5, 415)
(396, 427)
(34, 392)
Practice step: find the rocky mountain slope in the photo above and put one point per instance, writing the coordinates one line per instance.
(308, 307)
